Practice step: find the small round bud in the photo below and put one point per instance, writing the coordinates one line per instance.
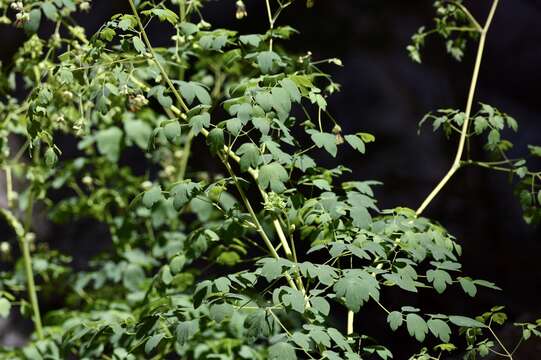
(146, 185)
(87, 180)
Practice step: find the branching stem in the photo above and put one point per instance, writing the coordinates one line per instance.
(473, 86)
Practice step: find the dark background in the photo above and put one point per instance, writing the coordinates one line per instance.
(384, 93)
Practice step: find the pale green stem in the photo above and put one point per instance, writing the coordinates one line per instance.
(271, 22)
(21, 233)
(460, 150)
(185, 156)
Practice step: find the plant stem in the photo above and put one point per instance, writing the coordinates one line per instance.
(473, 85)
(185, 156)
(153, 53)
(21, 232)
(351, 318)
(255, 219)
(271, 22)
(507, 353)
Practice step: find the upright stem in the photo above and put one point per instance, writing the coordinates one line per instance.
(271, 22)
(185, 156)
(351, 318)
(465, 126)
(22, 232)
(254, 217)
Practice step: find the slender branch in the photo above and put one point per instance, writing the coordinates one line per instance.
(460, 150)
(271, 22)
(155, 57)
(185, 156)
(255, 219)
(22, 235)
(507, 353)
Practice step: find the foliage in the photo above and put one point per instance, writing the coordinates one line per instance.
(245, 263)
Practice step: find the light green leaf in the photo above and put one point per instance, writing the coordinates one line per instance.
(292, 89)
(440, 279)
(416, 326)
(220, 312)
(324, 140)
(152, 196)
(356, 143)
(50, 11)
(137, 131)
(440, 329)
(266, 61)
(199, 122)
(468, 286)
(108, 142)
(139, 45)
(172, 130)
(152, 342)
(395, 320)
(186, 330)
(5, 307)
(464, 321)
(215, 140)
(273, 175)
(282, 351)
(249, 156)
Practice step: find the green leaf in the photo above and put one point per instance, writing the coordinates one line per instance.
(249, 156)
(186, 330)
(295, 299)
(360, 216)
(234, 126)
(440, 279)
(50, 157)
(198, 122)
(464, 321)
(356, 143)
(281, 102)
(215, 140)
(108, 142)
(252, 40)
(139, 45)
(271, 270)
(395, 320)
(416, 326)
(152, 342)
(152, 196)
(177, 263)
(5, 307)
(292, 89)
(266, 61)
(33, 22)
(321, 305)
(50, 11)
(172, 130)
(282, 351)
(468, 286)
(273, 175)
(480, 124)
(356, 287)
(220, 312)
(440, 329)
(188, 28)
(324, 140)
(138, 131)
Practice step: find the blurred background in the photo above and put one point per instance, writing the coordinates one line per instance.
(386, 94)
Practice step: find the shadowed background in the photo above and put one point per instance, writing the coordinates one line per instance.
(384, 93)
